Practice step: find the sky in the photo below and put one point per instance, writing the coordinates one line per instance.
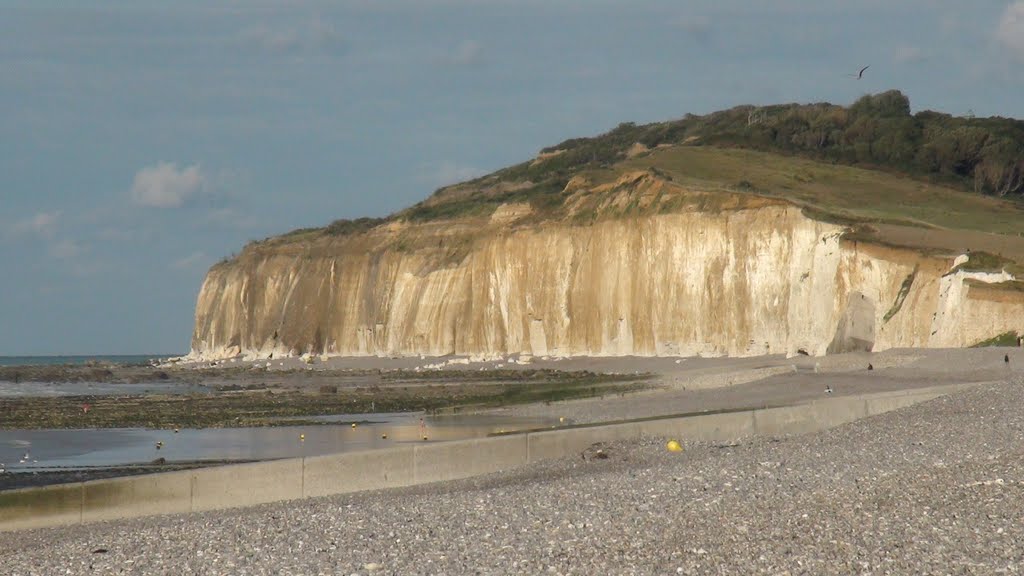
(141, 141)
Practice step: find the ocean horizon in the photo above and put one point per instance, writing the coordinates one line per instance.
(80, 359)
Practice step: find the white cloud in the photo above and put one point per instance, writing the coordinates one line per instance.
(270, 39)
(1010, 32)
(322, 34)
(231, 217)
(469, 52)
(906, 54)
(115, 233)
(699, 27)
(45, 226)
(315, 34)
(42, 224)
(950, 24)
(189, 261)
(65, 250)
(448, 173)
(166, 186)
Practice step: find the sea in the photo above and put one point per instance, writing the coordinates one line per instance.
(80, 360)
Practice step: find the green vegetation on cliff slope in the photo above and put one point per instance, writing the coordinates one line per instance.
(984, 155)
(1004, 339)
(871, 162)
(835, 192)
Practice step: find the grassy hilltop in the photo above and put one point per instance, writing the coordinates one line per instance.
(901, 178)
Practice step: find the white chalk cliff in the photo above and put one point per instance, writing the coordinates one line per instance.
(715, 273)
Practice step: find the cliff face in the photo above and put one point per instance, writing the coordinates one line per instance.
(744, 278)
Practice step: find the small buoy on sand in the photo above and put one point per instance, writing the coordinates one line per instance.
(302, 437)
(673, 446)
(384, 436)
(424, 437)
(353, 424)
(561, 418)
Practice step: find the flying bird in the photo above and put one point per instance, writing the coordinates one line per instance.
(860, 74)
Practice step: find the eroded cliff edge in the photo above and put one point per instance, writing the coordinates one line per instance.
(640, 266)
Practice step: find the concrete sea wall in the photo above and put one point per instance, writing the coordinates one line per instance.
(406, 465)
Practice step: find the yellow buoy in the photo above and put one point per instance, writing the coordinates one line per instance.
(674, 446)
(424, 437)
(384, 436)
(353, 424)
(302, 436)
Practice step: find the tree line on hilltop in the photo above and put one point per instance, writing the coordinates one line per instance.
(878, 131)
(984, 155)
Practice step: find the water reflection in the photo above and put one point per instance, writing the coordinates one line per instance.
(39, 450)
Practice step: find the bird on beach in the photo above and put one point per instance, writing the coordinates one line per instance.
(860, 74)
(828, 389)
(1006, 358)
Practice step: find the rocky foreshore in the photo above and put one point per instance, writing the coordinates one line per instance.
(935, 488)
(260, 395)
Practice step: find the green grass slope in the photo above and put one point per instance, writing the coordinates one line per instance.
(872, 164)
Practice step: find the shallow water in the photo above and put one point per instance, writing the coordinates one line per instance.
(43, 450)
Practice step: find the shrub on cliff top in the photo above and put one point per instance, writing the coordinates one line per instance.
(344, 227)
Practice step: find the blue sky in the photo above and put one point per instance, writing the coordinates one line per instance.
(141, 141)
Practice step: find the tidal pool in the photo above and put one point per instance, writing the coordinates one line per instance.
(48, 450)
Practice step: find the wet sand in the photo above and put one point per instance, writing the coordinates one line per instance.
(246, 397)
(35, 479)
